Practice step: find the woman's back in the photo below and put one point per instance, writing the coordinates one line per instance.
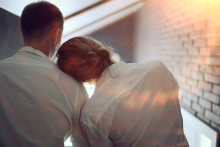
(139, 107)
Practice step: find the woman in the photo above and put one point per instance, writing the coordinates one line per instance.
(134, 105)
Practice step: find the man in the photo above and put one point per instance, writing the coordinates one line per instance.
(39, 104)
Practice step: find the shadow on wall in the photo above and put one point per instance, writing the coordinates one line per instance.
(10, 34)
(120, 36)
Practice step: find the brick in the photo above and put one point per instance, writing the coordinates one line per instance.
(192, 97)
(188, 43)
(210, 51)
(181, 78)
(196, 91)
(180, 52)
(210, 115)
(213, 31)
(200, 42)
(193, 66)
(197, 59)
(199, 25)
(205, 104)
(177, 58)
(197, 75)
(206, 69)
(216, 89)
(161, 42)
(186, 72)
(185, 87)
(176, 70)
(187, 29)
(191, 82)
(212, 78)
(178, 44)
(202, 117)
(167, 47)
(216, 109)
(211, 97)
(216, 70)
(198, 108)
(184, 37)
(165, 58)
(204, 51)
(171, 34)
(166, 52)
(193, 51)
(205, 86)
(186, 102)
(194, 34)
(212, 60)
(167, 41)
(212, 36)
(212, 20)
(213, 41)
(174, 64)
(183, 65)
(214, 125)
(215, 50)
(186, 60)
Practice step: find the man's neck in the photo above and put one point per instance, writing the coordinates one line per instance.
(44, 48)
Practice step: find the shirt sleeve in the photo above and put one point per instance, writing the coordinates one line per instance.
(95, 138)
(77, 96)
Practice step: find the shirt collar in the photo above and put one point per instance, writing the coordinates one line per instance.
(112, 71)
(28, 49)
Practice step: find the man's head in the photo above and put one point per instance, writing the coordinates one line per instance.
(42, 21)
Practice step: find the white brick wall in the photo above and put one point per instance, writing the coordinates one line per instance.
(187, 40)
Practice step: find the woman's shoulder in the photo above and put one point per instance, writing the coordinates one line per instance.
(153, 62)
(139, 66)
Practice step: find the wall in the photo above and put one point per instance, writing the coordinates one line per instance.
(185, 36)
(10, 34)
(120, 36)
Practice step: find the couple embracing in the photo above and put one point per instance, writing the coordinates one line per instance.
(43, 103)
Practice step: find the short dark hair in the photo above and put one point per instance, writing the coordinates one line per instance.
(38, 18)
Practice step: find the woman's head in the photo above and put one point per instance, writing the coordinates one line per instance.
(85, 58)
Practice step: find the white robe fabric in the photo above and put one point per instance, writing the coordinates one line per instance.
(134, 105)
(39, 104)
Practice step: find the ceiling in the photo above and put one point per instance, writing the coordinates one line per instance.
(67, 7)
(83, 22)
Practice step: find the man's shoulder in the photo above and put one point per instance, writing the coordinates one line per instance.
(66, 80)
(7, 60)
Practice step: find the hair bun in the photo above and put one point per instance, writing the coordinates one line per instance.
(103, 53)
(93, 58)
(91, 53)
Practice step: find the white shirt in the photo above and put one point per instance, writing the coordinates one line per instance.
(39, 104)
(134, 105)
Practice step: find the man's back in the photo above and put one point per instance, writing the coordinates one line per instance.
(39, 104)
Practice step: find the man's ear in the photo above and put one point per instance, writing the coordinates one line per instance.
(55, 35)
(22, 35)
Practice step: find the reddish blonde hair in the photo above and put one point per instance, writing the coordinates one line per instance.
(84, 58)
